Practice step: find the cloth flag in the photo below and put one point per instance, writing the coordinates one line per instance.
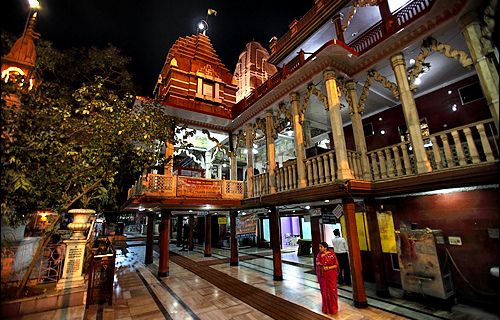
(211, 12)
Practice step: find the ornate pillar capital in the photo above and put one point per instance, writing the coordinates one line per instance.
(398, 59)
(294, 96)
(350, 85)
(329, 74)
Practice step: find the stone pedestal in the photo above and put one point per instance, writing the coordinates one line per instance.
(73, 264)
(75, 250)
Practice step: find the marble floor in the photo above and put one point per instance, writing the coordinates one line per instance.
(139, 294)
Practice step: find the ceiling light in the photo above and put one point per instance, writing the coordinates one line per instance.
(354, 34)
(245, 151)
(379, 119)
(327, 201)
(412, 61)
(382, 131)
(454, 107)
(449, 91)
(418, 81)
(308, 207)
(190, 210)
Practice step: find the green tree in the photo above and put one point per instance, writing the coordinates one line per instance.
(64, 146)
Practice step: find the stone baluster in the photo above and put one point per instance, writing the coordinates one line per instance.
(472, 146)
(485, 143)
(436, 153)
(399, 169)
(383, 165)
(320, 169)
(375, 166)
(315, 170)
(328, 177)
(390, 163)
(458, 148)
(287, 180)
(406, 158)
(447, 151)
(333, 171)
(309, 172)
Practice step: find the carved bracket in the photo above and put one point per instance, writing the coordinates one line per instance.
(462, 57)
(488, 27)
(364, 94)
(385, 82)
(218, 144)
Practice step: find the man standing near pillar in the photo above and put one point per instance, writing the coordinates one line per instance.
(341, 251)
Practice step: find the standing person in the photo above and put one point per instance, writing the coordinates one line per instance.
(341, 251)
(326, 269)
(185, 235)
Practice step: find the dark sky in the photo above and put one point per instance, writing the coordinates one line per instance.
(146, 29)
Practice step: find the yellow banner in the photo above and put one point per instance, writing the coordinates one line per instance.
(361, 226)
(222, 219)
(387, 232)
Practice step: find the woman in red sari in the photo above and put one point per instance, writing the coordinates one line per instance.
(327, 267)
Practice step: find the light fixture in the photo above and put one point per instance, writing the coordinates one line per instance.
(412, 61)
(202, 27)
(454, 107)
(418, 81)
(327, 200)
(382, 131)
(379, 119)
(34, 4)
(245, 151)
(308, 207)
(190, 210)
(449, 91)
(141, 208)
(293, 211)
(269, 210)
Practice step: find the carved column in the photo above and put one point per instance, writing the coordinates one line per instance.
(299, 140)
(358, 286)
(169, 156)
(233, 173)
(357, 127)
(148, 258)
(271, 159)
(249, 145)
(410, 112)
(274, 223)
(163, 267)
(208, 235)
(233, 261)
(485, 68)
(343, 170)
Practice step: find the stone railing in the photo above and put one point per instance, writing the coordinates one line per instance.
(179, 186)
(286, 176)
(460, 147)
(260, 184)
(321, 168)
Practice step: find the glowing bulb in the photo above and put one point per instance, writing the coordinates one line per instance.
(418, 81)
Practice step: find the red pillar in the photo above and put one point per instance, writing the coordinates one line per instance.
(208, 235)
(316, 237)
(163, 268)
(358, 286)
(233, 261)
(274, 220)
(190, 238)
(148, 259)
(389, 22)
(338, 27)
(377, 257)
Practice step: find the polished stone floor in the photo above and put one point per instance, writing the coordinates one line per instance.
(139, 294)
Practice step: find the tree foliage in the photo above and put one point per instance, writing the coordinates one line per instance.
(64, 146)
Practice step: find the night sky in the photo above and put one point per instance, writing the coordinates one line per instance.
(145, 30)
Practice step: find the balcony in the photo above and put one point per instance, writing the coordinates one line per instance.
(161, 186)
(451, 152)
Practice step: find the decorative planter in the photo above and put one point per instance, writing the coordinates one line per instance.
(80, 222)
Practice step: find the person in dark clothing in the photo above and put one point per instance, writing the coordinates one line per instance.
(185, 235)
(342, 252)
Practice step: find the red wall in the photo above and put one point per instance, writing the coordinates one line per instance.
(464, 214)
(435, 106)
